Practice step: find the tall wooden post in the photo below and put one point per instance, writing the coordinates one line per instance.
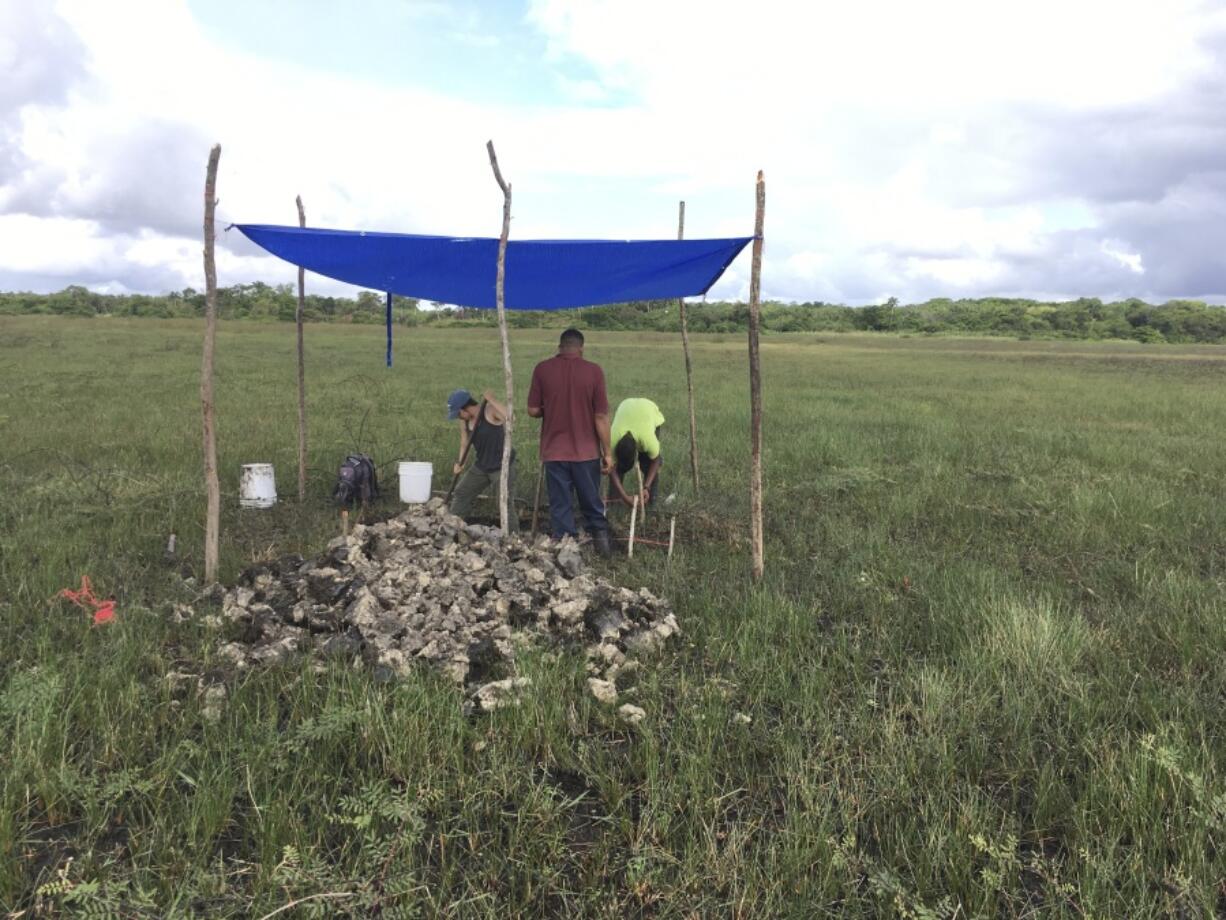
(212, 516)
(755, 386)
(505, 506)
(689, 367)
(302, 422)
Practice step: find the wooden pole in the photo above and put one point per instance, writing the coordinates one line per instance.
(536, 505)
(634, 513)
(302, 421)
(689, 366)
(638, 469)
(212, 489)
(505, 507)
(755, 386)
(672, 535)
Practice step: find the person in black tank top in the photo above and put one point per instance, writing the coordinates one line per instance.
(482, 435)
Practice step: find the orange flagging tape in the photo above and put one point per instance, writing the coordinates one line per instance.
(104, 611)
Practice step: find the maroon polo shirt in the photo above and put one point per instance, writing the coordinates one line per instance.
(571, 393)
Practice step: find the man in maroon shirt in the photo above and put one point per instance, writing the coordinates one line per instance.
(568, 395)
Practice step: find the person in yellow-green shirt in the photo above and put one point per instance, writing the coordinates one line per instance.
(635, 435)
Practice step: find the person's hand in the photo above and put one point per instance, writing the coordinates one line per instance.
(456, 469)
(606, 465)
(488, 395)
(645, 497)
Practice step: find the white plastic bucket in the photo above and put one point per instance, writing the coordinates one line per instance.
(415, 481)
(257, 487)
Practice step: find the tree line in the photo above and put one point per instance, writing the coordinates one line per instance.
(1179, 321)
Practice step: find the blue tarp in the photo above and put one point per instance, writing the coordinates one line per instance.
(540, 274)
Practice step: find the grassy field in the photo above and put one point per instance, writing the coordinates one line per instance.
(984, 675)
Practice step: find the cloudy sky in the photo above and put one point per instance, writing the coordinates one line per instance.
(1052, 148)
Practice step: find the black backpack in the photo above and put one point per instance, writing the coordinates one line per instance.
(356, 481)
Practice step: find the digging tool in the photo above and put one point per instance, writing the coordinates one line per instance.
(463, 458)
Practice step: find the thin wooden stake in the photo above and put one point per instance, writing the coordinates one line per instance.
(755, 387)
(505, 505)
(212, 489)
(672, 535)
(344, 522)
(634, 513)
(302, 420)
(536, 505)
(638, 469)
(689, 366)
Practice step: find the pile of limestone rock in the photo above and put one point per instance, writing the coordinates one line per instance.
(424, 588)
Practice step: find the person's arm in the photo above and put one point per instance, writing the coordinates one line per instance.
(651, 477)
(617, 484)
(600, 410)
(535, 402)
(500, 411)
(459, 464)
(606, 446)
(651, 447)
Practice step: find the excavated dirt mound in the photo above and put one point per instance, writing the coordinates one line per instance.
(424, 588)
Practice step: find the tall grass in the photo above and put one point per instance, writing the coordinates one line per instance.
(983, 676)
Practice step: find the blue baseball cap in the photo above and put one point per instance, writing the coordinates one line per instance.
(457, 401)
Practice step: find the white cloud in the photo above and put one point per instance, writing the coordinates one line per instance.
(912, 149)
(1130, 260)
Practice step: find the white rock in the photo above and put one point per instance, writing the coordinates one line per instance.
(570, 612)
(236, 653)
(604, 690)
(214, 698)
(499, 693)
(631, 713)
(363, 610)
(610, 653)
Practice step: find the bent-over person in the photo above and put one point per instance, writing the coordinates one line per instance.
(482, 434)
(636, 439)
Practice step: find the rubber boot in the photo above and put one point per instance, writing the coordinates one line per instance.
(600, 540)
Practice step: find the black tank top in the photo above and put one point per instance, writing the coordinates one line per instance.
(487, 440)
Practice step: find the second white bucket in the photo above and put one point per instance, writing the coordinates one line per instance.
(415, 481)
(257, 487)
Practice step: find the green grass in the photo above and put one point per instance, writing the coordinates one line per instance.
(984, 672)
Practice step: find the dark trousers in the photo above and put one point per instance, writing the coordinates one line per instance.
(583, 479)
(474, 482)
(631, 485)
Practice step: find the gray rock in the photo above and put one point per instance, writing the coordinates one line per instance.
(364, 610)
(425, 588)
(342, 646)
(569, 559)
(277, 651)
